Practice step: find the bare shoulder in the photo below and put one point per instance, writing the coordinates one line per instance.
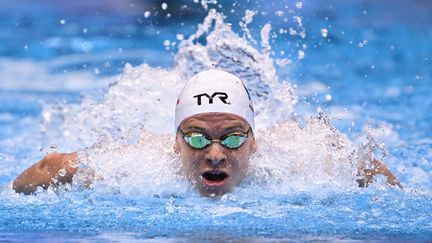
(53, 169)
(65, 159)
(61, 156)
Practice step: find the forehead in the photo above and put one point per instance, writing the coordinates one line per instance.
(214, 120)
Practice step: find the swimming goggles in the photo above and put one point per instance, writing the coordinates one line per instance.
(198, 140)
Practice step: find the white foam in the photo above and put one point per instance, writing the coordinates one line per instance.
(303, 157)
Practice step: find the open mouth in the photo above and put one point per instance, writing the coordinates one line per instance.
(214, 178)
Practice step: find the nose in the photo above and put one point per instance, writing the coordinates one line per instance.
(215, 155)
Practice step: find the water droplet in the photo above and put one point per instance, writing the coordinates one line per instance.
(328, 97)
(53, 146)
(303, 34)
(180, 37)
(283, 62)
(96, 71)
(164, 6)
(299, 5)
(279, 13)
(62, 172)
(298, 20)
(62, 21)
(167, 44)
(324, 32)
(363, 43)
(301, 54)
(147, 14)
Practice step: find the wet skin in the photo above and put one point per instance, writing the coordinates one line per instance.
(214, 170)
(53, 170)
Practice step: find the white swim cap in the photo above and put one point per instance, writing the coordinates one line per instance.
(214, 91)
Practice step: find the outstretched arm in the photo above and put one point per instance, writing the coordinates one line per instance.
(379, 168)
(54, 169)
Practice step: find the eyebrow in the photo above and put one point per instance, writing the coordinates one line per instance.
(235, 128)
(196, 129)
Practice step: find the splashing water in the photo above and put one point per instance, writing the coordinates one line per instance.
(301, 179)
(147, 95)
(136, 119)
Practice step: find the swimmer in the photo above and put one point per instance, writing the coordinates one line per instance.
(214, 122)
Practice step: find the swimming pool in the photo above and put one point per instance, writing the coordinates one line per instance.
(365, 64)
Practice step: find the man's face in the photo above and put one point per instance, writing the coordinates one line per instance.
(214, 169)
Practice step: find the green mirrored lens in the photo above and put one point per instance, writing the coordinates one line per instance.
(233, 141)
(197, 140)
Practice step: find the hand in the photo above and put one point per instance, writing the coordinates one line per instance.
(379, 169)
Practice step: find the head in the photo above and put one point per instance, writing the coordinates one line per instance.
(214, 131)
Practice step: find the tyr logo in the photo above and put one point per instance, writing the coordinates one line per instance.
(222, 96)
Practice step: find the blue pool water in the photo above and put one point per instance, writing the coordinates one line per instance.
(365, 64)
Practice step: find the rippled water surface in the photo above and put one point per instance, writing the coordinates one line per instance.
(331, 82)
